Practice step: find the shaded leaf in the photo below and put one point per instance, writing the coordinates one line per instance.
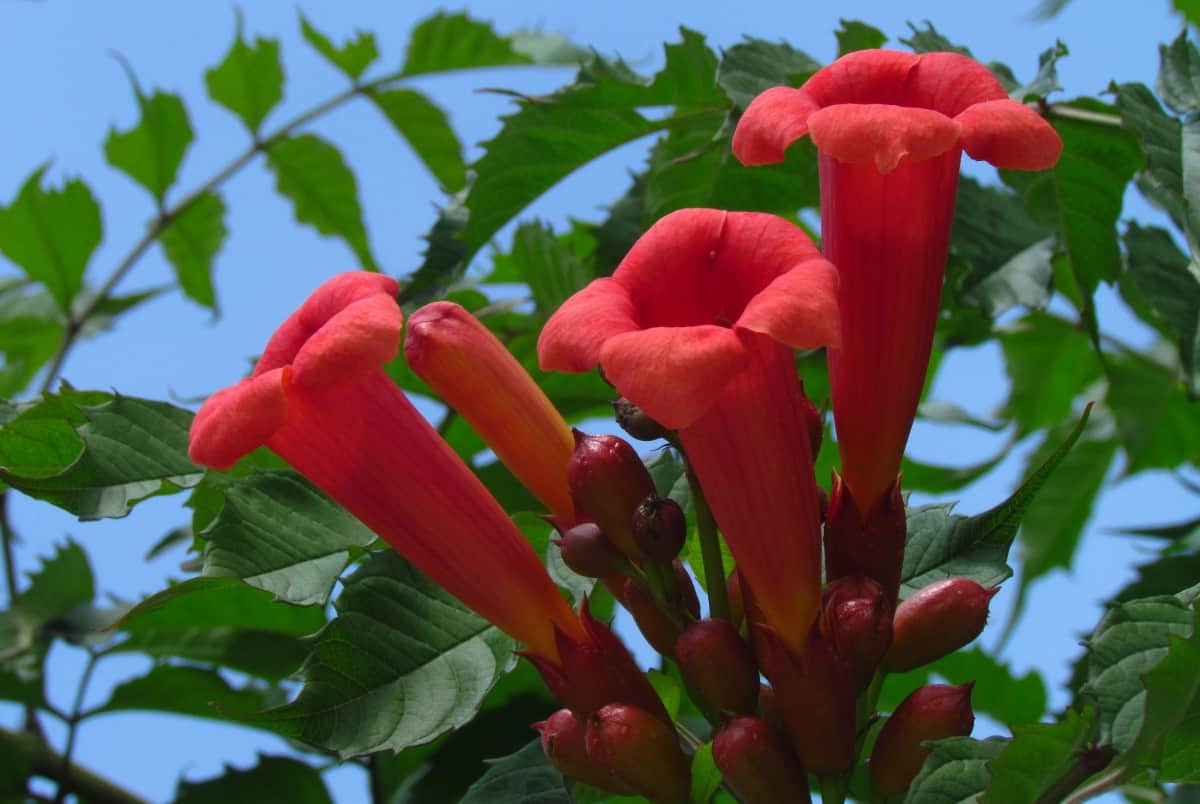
(279, 533)
(249, 80)
(224, 622)
(1038, 756)
(352, 58)
(1050, 363)
(547, 265)
(525, 777)
(1157, 422)
(755, 65)
(854, 35)
(1165, 277)
(426, 129)
(272, 779)
(1178, 80)
(192, 691)
(51, 234)
(150, 153)
(933, 479)
(446, 257)
(312, 174)
(955, 771)
(31, 329)
(1161, 138)
(928, 40)
(403, 663)
(191, 242)
(1046, 80)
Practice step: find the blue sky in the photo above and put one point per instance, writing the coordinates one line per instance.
(63, 90)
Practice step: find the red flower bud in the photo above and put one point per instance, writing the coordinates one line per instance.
(937, 621)
(608, 480)
(719, 665)
(933, 712)
(659, 527)
(659, 629)
(634, 421)
(586, 550)
(641, 751)
(869, 543)
(757, 762)
(563, 743)
(858, 618)
(686, 589)
(737, 604)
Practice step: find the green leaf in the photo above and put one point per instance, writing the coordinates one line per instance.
(1050, 362)
(191, 691)
(928, 40)
(706, 776)
(403, 663)
(352, 58)
(191, 241)
(1131, 639)
(1161, 138)
(425, 127)
(97, 455)
(548, 265)
(853, 35)
(933, 479)
(1158, 424)
(249, 81)
(1046, 80)
(457, 42)
(51, 234)
(1166, 278)
(446, 257)
(31, 329)
(150, 153)
(998, 693)
(1054, 522)
(312, 174)
(272, 779)
(944, 545)
(755, 65)
(223, 622)
(956, 771)
(1039, 755)
(279, 533)
(525, 777)
(1179, 74)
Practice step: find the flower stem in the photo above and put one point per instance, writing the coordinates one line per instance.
(65, 782)
(833, 789)
(710, 550)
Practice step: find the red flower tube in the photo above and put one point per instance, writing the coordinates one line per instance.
(890, 128)
(697, 327)
(320, 399)
(473, 373)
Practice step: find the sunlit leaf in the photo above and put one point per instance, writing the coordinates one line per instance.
(249, 81)
(526, 776)
(151, 151)
(854, 35)
(1165, 277)
(1049, 363)
(424, 125)
(352, 58)
(1039, 755)
(754, 65)
(956, 770)
(1179, 74)
(191, 241)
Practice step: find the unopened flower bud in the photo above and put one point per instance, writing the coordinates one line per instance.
(633, 420)
(659, 527)
(563, 743)
(719, 665)
(867, 543)
(641, 751)
(608, 480)
(737, 603)
(858, 618)
(656, 626)
(586, 550)
(757, 762)
(685, 589)
(936, 621)
(932, 712)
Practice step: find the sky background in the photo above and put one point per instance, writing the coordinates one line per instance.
(62, 90)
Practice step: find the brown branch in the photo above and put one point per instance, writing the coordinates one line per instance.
(44, 761)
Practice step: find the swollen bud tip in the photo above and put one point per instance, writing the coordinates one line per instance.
(936, 621)
(587, 551)
(562, 737)
(719, 665)
(659, 527)
(757, 763)
(641, 751)
(608, 480)
(634, 421)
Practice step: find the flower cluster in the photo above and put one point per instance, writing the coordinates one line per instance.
(697, 330)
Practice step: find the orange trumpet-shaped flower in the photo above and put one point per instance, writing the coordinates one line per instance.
(890, 128)
(697, 327)
(468, 367)
(320, 399)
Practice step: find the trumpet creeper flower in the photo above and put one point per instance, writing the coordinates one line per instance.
(321, 400)
(890, 128)
(697, 327)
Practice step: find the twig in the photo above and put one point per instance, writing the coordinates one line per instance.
(45, 762)
(1084, 115)
(65, 784)
(1110, 779)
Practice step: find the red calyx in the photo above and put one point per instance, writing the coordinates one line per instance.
(870, 543)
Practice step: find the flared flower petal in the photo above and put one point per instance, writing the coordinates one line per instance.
(882, 134)
(798, 308)
(238, 420)
(572, 338)
(1015, 138)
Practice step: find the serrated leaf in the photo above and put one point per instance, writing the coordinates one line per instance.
(1165, 277)
(445, 260)
(956, 771)
(249, 80)
(223, 622)
(31, 329)
(192, 691)
(279, 533)
(191, 241)
(63, 583)
(1161, 138)
(1038, 756)
(1178, 80)
(944, 545)
(547, 265)
(313, 175)
(928, 40)
(1049, 362)
(401, 664)
(97, 455)
(425, 127)
(755, 65)
(933, 479)
(1157, 422)
(150, 152)
(1046, 80)
(352, 58)
(854, 35)
(457, 42)
(51, 234)
(525, 777)
(272, 779)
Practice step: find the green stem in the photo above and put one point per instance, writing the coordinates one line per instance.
(46, 763)
(833, 789)
(65, 784)
(710, 550)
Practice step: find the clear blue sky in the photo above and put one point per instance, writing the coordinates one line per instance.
(63, 90)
